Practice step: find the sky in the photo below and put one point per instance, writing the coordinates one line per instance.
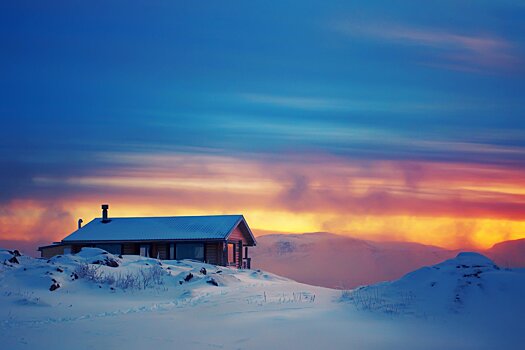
(376, 119)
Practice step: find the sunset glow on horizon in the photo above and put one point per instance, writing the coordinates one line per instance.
(406, 124)
(420, 202)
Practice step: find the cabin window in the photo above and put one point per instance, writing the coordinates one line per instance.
(193, 251)
(110, 248)
(232, 253)
(144, 250)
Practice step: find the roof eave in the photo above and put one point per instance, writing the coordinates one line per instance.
(143, 240)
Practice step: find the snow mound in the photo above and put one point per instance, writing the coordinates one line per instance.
(12, 258)
(6, 255)
(471, 258)
(470, 283)
(94, 268)
(89, 253)
(88, 256)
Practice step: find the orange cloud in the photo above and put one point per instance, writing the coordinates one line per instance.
(446, 204)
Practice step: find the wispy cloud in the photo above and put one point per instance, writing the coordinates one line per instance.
(337, 104)
(308, 103)
(451, 50)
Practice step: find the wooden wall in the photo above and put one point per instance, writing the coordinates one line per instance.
(50, 252)
(212, 253)
(241, 239)
(130, 249)
(161, 250)
(75, 248)
(237, 235)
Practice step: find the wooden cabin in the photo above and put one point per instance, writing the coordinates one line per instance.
(215, 239)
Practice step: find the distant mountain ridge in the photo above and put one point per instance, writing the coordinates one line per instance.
(336, 261)
(509, 253)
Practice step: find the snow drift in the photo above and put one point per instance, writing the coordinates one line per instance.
(470, 285)
(133, 302)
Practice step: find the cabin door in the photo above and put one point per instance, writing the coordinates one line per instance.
(172, 251)
(144, 250)
(232, 254)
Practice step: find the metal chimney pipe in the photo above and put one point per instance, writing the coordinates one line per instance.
(105, 208)
(80, 221)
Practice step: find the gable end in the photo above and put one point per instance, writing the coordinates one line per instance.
(241, 232)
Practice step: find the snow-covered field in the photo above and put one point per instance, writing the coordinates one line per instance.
(463, 303)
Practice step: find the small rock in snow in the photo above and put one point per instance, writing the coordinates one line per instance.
(188, 277)
(15, 252)
(212, 281)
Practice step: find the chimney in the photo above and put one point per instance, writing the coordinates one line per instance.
(80, 221)
(105, 208)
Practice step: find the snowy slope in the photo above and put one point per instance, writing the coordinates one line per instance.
(103, 301)
(342, 262)
(469, 285)
(136, 279)
(455, 285)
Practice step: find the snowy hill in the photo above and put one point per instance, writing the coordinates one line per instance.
(94, 299)
(342, 262)
(469, 283)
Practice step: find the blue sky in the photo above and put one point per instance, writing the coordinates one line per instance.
(89, 87)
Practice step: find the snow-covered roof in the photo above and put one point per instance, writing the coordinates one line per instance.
(211, 227)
